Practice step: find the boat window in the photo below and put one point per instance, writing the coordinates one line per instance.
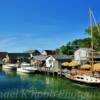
(82, 78)
(78, 77)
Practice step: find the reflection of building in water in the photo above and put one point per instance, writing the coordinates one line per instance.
(23, 76)
(47, 80)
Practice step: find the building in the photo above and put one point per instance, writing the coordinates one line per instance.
(14, 57)
(37, 60)
(54, 61)
(96, 57)
(49, 52)
(2, 56)
(82, 55)
(33, 52)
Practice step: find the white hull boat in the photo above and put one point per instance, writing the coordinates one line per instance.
(26, 69)
(10, 66)
(84, 80)
(25, 65)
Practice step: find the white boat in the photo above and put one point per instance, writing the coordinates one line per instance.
(10, 66)
(24, 64)
(84, 80)
(26, 69)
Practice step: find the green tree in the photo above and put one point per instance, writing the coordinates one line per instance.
(70, 47)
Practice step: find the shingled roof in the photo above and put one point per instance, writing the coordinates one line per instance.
(18, 55)
(34, 52)
(40, 57)
(62, 57)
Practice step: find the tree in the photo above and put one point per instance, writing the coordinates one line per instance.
(72, 46)
(95, 31)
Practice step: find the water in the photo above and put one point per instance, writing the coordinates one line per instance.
(42, 87)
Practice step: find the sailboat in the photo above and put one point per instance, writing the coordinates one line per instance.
(86, 79)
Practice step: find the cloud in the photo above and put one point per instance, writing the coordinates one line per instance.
(24, 41)
(7, 42)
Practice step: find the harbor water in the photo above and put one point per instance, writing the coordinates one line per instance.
(42, 87)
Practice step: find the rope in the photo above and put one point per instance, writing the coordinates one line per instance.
(95, 22)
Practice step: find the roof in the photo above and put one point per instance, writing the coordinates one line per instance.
(84, 49)
(2, 55)
(34, 52)
(40, 57)
(20, 55)
(62, 57)
(50, 52)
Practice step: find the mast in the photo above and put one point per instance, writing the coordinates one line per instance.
(92, 42)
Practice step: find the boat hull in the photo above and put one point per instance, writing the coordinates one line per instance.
(9, 67)
(84, 83)
(26, 70)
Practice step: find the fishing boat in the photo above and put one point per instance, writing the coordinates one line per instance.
(10, 66)
(88, 80)
(26, 68)
(24, 64)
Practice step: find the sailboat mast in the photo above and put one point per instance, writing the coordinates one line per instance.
(92, 42)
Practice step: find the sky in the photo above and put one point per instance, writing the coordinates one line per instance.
(43, 24)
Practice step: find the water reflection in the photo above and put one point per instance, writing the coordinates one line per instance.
(42, 86)
(2, 75)
(8, 72)
(23, 76)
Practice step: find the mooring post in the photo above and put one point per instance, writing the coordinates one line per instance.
(48, 71)
(60, 70)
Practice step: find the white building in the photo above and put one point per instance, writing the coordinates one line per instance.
(54, 62)
(82, 55)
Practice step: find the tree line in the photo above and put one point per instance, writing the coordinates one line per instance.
(71, 46)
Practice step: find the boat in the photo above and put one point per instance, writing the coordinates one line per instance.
(24, 64)
(84, 80)
(88, 80)
(10, 66)
(26, 68)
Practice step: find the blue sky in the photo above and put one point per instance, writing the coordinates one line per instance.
(43, 24)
